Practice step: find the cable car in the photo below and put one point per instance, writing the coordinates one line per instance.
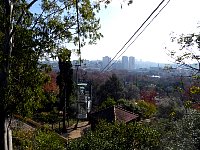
(84, 100)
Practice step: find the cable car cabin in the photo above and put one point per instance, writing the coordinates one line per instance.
(84, 100)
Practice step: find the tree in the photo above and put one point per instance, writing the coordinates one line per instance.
(20, 72)
(132, 92)
(108, 103)
(147, 110)
(35, 36)
(148, 94)
(111, 88)
(188, 52)
(51, 85)
(188, 56)
(122, 2)
(51, 91)
(65, 82)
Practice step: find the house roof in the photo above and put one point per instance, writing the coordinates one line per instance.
(114, 114)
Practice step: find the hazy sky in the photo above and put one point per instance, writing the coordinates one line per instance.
(118, 25)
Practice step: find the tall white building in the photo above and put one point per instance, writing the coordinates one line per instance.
(125, 62)
(131, 63)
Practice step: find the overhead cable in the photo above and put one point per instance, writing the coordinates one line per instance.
(139, 34)
(134, 34)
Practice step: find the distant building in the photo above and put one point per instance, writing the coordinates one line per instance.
(117, 65)
(125, 62)
(105, 61)
(85, 63)
(131, 63)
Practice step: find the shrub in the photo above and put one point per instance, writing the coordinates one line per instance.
(37, 140)
(146, 109)
(109, 136)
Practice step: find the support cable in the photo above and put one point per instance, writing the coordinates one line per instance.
(134, 34)
(138, 35)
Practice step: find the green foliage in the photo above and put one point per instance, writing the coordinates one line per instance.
(195, 90)
(27, 36)
(39, 35)
(148, 110)
(171, 109)
(47, 117)
(37, 140)
(181, 134)
(132, 92)
(65, 81)
(109, 102)
(119, 137)
(112, 88)
(130, 106)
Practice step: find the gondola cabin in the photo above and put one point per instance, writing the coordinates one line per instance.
(84, 100)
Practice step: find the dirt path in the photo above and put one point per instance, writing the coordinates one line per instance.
(73, 134)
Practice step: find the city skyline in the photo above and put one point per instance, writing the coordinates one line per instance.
(118, 25)
(126, 63)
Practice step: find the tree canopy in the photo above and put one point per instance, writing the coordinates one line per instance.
(28, 36)
(112, 88)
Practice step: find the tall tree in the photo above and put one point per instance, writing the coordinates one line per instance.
(112, 88)
(11, 89)
(188, 56)
(26, 36)
(65, 83)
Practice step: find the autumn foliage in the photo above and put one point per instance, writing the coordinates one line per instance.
(148, 96)
(51, 86)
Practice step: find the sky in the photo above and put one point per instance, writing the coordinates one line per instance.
(118, 25)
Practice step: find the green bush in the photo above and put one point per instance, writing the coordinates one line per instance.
(170, 109)
(37, 140)
(183, 133)
(147, 110)
(109, 102)
(109, 136)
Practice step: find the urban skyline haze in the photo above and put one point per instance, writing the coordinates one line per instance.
(118, 25)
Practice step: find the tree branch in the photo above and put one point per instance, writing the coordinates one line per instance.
(20, 17)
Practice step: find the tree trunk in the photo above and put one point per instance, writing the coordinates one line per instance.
(3, 132)
(64, 111)
(64, 119)
(9, 132)
(7, 49)
(5, 136)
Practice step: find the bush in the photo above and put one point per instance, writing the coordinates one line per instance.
(37, 140)
(146, 109)
(109, 102)
(170, 109)
(109, 136)
(181, 134)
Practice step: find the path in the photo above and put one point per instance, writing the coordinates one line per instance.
(73, 134)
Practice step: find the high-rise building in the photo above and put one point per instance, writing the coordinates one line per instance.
(106, 61)
(117, 65)
(131, 63)
(125, 62)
